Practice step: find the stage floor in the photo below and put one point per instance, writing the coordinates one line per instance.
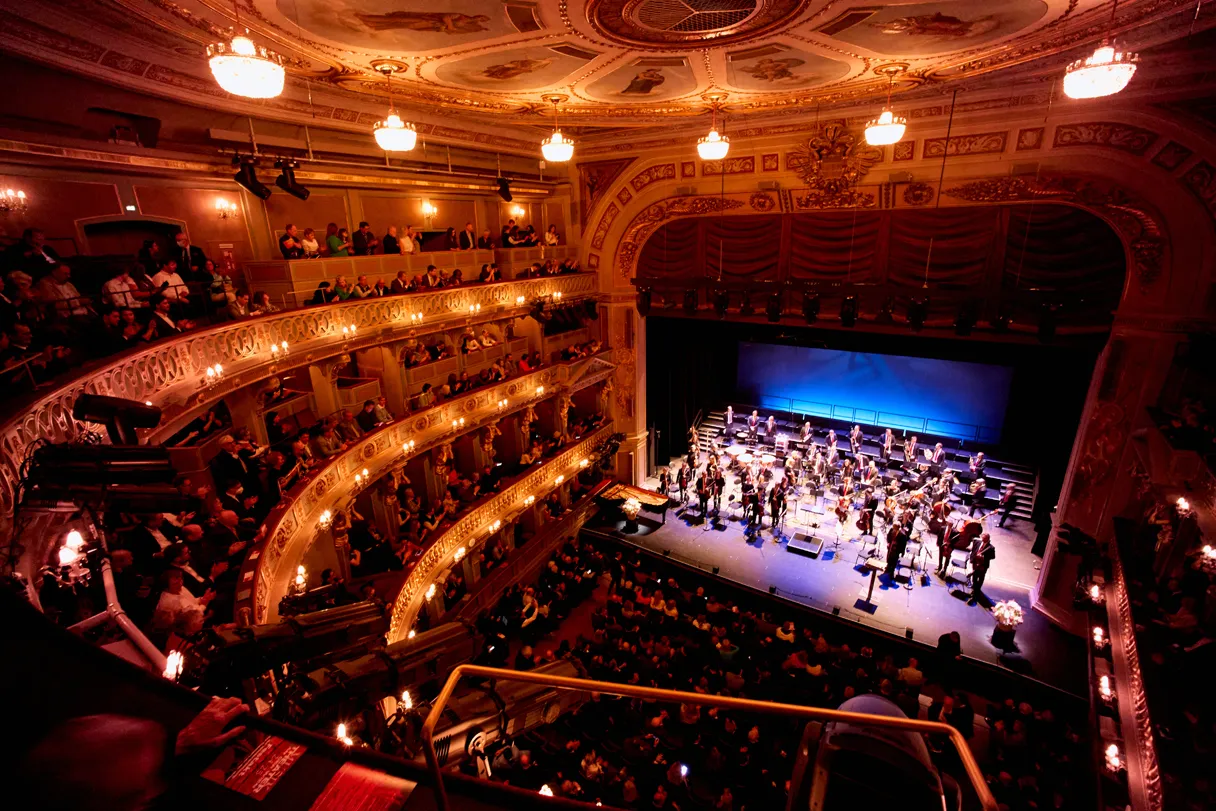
(834, 579)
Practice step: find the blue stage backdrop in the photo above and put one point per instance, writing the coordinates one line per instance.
(944, 397)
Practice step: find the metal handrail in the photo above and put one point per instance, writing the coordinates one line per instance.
(974, 774)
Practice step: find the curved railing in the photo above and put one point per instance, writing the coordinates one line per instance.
(172, 373)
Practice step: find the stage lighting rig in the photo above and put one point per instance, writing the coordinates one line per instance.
(886, 313)
(772, 310)
(745, 304)
(247, 178)
(1047, 321)
(690, 301)
(120, 416)
(810, 306)
(1004, 317)
(721, 302)
(287, 179)
(918, 311)
(643, 301)
(848, 311)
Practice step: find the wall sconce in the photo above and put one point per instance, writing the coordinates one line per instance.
(458, 424)
(408, 447)
(1095, 594)
(415, 318)
(1100, 640)
(540, 390)
(325, 519)
(1114, 760)
(13, 201)
(301, 582)
(557, 482)
(518, 211)
(1209, 552)
(406, 701)
(278, 350)
(225, 208)
(429, 211)
(1184, 506)
(583, 463)
(430, 592)
(349, 330)
(474, 309)
(459, 555)
(502, 403)
(341, 735)
(520, 299)
(361, 478)
(173, 665)
(1104, 690)
(557, 296)
(411, 634)
(497, 525)
(213, 374)
(529, 501)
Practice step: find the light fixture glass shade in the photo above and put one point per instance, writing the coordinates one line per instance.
(713, 147)
(1102, 73)
(394, 135)
(246, 69)
(885, 130)
(557, 148)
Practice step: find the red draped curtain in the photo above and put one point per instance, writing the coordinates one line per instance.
(671, 252)
(743, 248)
(834, 246)
(962, 240)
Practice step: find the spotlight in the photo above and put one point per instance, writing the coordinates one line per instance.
(120, 416)
(690, 302)
(810, 307)
(965, 318)
(773, 309)
(504, 189)
(745, 304)
(918, 311)
(643, 302)
(721, 302)
(848, 311)
(1047, 321)
(886, 313)
(287, 180)
(247, 178)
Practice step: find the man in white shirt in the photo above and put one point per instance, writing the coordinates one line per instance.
(57, 287)
(176, 291)
(407, 241)
(178, 609)
(120, 291)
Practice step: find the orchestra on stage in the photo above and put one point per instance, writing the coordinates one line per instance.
(878, 499)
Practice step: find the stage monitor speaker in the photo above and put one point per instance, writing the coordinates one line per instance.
(908, 633)
(835, 611)
(848, 311)
(721, 302)
(772, 589)
(690, 302)
(745, 304)
(772, 310)
(715, 570)
(918, 311)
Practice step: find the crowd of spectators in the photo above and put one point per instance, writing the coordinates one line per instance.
(48, 325)
(650, 631)
(295, 243)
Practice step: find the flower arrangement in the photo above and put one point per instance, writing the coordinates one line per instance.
(1008, 613)
(631, 508)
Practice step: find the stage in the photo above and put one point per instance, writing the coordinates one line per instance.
(834, 578)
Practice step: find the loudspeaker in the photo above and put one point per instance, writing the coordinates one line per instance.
(772, 589)
(504, 189)
(769, 185)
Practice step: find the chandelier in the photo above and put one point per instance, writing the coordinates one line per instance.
(888, 128)
(556, 148)
(1103, 73)
(393, 134)
(244, 68)
(714, 146)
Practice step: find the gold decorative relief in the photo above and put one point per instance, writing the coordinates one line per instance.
(688, 169)
(762, 202)
(733, 166)
(653, 174)
(1172, 155)
(918, 194)
(770, 163)
(1031, 138)
(645, 223)
(985, 143)
(904, 151)
(1201, 180)
(595, 178)
(1124, 137)
(601, 229)
(833, 159)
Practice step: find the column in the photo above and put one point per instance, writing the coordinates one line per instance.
(1128, 378)
(243, 406)
(382, 363)
(627, 333)
(323, 376)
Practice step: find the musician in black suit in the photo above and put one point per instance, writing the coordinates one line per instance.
(982, 555)
(804, 435)
(664, 481)
(683, 479)
(975, 496)
(718, 481)
(1009, 502)
(977, 465)
(753, 425)
(190, 260)
(938, 458)
(910, 451)
(899, 543)
(855, 438)
(887, 446)
(703, 494)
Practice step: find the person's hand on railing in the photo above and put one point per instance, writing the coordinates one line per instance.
(207, 730)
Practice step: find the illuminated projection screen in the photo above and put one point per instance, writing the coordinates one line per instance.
(939, 397)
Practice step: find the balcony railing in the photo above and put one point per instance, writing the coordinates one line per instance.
(172, 373)
(972, 768)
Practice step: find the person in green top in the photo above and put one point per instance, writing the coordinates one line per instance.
(337, 240)
(342, 288)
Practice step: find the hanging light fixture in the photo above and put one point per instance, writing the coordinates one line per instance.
(244, 68)
(714, 146)
(556, 148)
(888, 128)
(1104, 72)
(393, 134)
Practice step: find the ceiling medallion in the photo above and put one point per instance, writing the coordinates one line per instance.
(676, 24)
(832, 162)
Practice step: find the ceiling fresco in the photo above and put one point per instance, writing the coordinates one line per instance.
(618, 63)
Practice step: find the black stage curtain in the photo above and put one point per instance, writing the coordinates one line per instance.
(834, 246)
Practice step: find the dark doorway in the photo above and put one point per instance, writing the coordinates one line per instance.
(126, 237)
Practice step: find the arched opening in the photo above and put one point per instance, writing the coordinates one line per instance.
(123, 236)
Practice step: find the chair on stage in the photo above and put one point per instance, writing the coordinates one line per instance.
(869, 549)
(908, 561)
(959, 568)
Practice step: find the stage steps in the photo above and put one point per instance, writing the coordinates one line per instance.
(996, 474)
